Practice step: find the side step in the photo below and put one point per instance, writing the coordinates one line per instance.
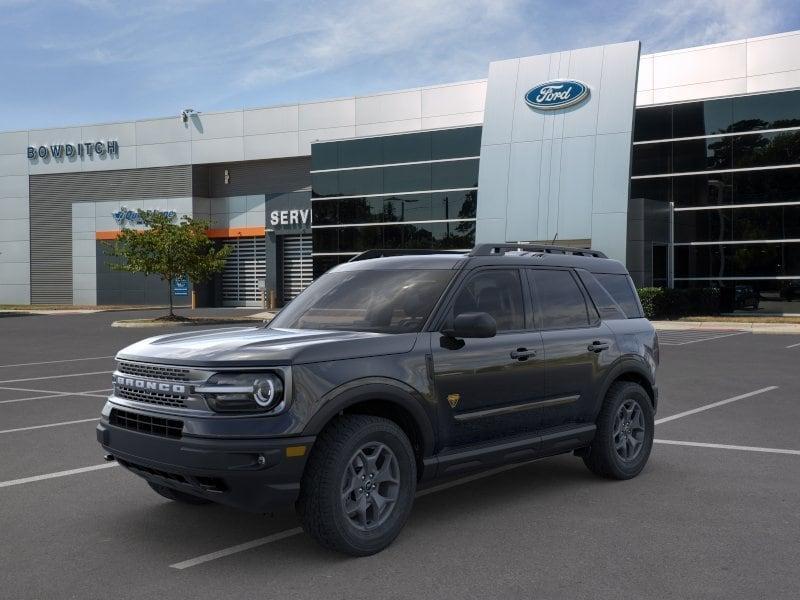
(504, 451)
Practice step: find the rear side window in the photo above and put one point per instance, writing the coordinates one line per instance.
(559, 300)
(606, 305)
(621, 289)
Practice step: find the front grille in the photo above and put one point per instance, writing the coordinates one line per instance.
(170, 428)
(153, 371)
(150, 397)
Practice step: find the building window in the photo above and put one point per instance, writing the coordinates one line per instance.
(416, 191)
(735, 187)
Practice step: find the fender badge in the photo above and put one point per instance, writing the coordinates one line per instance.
(452, 399)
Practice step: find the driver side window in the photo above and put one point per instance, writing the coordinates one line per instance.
(497, 292)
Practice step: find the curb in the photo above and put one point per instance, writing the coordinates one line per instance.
(82, 311)
(730, 325)
(152, 324)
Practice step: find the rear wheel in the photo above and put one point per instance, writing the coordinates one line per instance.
(177, 496)
(624, 437)
(359, 485)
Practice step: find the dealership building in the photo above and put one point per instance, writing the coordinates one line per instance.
(685, 165)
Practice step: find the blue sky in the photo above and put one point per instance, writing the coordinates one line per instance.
(72, 62)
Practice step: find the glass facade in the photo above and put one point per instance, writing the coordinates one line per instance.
(731, 168)
(416, 190)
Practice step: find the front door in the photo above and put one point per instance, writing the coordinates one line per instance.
(485, 386)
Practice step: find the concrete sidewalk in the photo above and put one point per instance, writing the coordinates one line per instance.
(752, 326)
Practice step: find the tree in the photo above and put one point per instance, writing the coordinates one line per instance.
(168, 249)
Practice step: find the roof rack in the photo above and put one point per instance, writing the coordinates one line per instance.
(378, 253)
(500, 249)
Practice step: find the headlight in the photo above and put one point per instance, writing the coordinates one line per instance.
(242, 392)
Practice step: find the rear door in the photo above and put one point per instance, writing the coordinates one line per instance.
(578, 347)
(485, 387)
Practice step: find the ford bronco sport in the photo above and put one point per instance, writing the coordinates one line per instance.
(386, 373)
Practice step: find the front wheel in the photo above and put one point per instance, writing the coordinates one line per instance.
(625, 430)
(359, 485)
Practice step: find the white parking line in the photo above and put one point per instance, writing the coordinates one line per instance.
(792, 346)
(31, 398)
(693, 336)
(51, 362)
(728, 447)
(57, 474)
(48, 425)
(282, 535)
(89, 393)
(55, 376)
(715, 404)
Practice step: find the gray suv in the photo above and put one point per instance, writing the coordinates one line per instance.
(386, 373)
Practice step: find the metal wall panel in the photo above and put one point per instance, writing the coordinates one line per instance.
(51, 198)
(121, 287)
(545, 170)
(260, 177)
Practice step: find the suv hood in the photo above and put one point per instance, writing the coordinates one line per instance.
(239, 346)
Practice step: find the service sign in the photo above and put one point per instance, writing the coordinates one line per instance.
(290, 217)
(553, 95)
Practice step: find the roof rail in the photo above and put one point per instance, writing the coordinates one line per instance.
(380, 253)
(500, 249)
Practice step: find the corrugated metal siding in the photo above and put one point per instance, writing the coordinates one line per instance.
(51, 198)
(51, 248)
(260, 177)
(297, 265)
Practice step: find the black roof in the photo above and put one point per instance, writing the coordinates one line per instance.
(508, 254)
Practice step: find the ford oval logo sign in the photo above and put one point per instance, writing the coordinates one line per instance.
(556, 94)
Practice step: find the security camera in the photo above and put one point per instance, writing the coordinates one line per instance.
(185, 113)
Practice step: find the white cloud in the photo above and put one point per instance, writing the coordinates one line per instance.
(414, 33)
(674, 24)
(216, 54)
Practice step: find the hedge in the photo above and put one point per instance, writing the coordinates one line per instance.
(665, 303)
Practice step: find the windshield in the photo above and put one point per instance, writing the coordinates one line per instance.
(390, 301)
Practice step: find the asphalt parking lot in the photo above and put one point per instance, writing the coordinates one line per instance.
(715, 514)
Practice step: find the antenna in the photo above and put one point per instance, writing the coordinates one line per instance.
(555, 237)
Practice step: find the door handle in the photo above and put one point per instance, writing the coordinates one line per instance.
(522, 354)
(597, 346)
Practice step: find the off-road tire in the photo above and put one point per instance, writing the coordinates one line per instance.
(320, 504)
(602, 457)
(176, 495)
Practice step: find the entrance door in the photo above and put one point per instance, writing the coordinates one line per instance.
(297, 265)
(487, 387)
(246, 265)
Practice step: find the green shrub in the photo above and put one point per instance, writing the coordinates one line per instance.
(665, 303)
(651, 298)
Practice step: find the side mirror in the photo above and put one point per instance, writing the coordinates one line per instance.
(472, 325)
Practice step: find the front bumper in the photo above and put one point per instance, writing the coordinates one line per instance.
(256, 475)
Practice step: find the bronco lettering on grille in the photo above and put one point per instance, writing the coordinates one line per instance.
(144, 384)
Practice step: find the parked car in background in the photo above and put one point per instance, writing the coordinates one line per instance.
(746, 297)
